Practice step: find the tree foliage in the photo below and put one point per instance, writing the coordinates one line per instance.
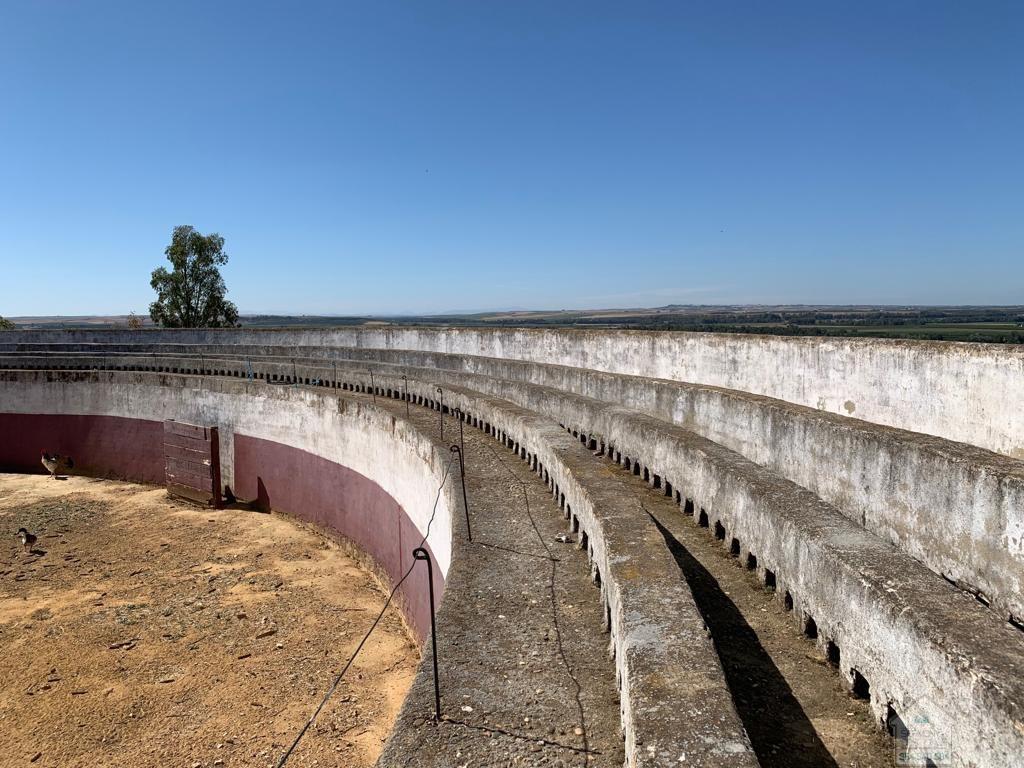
(6, 325)
(192, 293)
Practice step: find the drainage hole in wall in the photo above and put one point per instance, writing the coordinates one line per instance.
(832, 653)
(861, 688)
(894, 725)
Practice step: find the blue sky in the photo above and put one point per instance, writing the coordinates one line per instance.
(430, 156)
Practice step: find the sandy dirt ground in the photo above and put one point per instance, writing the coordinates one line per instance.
(144, 631)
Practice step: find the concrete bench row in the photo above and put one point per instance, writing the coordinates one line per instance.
(956, 508)
(905, 638)
(921, 652)
(675, 704)
(968, 392)
(919, 649)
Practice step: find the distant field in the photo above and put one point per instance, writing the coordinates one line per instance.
(1000, 333)
(1001, 325)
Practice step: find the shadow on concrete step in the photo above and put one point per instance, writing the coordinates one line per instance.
(780, 732)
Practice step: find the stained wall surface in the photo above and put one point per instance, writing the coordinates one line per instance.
(100, 446)
(314, 453)
(968, 392)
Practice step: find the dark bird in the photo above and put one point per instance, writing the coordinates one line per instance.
(56, 464)
(28, 540)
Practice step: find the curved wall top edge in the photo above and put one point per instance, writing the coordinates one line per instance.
(354, 435)
(968, 392)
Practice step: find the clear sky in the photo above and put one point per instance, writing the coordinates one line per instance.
(427, 156)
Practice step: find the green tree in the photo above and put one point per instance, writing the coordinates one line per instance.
(6, 325)
(192, 294)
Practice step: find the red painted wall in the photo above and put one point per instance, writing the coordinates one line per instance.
(333, 496)
(101, 446)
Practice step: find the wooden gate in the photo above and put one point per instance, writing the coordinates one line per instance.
(192, 462)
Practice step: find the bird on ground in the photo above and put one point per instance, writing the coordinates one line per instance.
(56, 464)
(27, 539)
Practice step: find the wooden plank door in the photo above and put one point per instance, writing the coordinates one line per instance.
(192, 462)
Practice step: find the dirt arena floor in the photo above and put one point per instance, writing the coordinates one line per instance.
(144, 631)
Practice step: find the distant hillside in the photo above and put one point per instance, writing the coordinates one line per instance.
(76, 321)
(964, 323)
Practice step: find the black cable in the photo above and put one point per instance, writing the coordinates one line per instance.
(352, 658)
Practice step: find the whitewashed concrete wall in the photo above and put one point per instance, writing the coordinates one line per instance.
(968, 392)
(367, 440)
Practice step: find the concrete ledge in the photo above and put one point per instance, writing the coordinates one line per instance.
(675, 705)
(913, 644)
(922, 647)
(956, 508)
(914, 385)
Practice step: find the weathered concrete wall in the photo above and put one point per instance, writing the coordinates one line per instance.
(923, 646)
(306, 445)
(968, 392)
(675, 704)
(956, 508)
(334, 497)
(660, 646)
(926, 650)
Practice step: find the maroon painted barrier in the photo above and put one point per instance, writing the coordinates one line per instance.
(283, 478)
(332, 496)
(101, 446)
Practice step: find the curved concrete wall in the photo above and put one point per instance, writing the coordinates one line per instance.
(292, 438)
(956, 508)
(314, 453)
(956, 662)
(659, 642)
(927, 651)
(968, 392)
